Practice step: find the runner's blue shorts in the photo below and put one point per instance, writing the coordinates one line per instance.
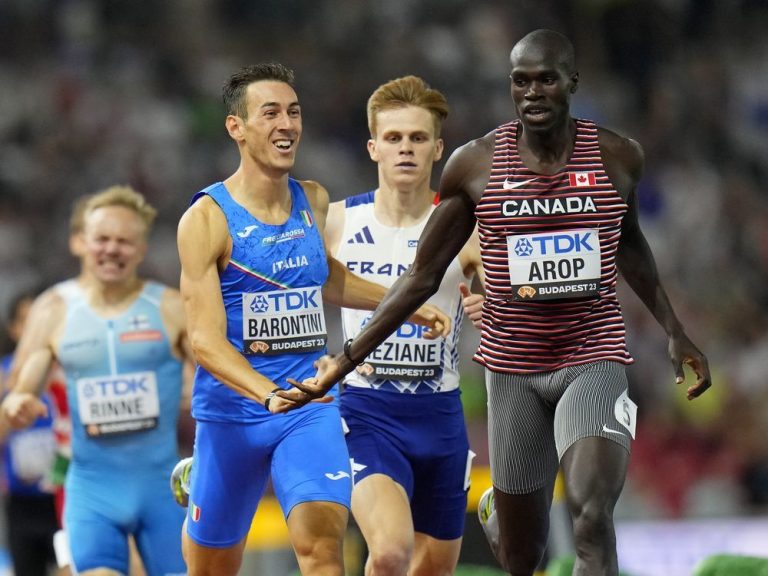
(103, 507)
(303, 451)
(418, 440)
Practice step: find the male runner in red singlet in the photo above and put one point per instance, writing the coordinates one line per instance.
(555, 201)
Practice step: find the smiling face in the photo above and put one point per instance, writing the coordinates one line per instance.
(271, 132)
(114, 244)
(542, 84)
(405, 146)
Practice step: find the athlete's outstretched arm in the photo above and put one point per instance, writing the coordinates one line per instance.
(343, 288)
(349, 290)
(203, 241)
(445, 233)
(638, 267)
(447, 230)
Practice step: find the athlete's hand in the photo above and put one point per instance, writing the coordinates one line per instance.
(310, 389)
(473, 305)
(683, 351)
(287, 400)
(432, 317)
(21, 409)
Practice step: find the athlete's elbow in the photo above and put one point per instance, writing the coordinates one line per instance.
(425, 284)
(203, 347)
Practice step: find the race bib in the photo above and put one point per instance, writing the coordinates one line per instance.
(118, 404)
(406, 356)
(32, 453)
(284, 321)
(548, 265)
(626, 413)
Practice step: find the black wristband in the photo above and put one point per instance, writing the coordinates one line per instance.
(348, 352)
(270, 396)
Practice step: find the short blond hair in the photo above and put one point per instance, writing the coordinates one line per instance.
(77, 217)
(122, 196)
(407, 91)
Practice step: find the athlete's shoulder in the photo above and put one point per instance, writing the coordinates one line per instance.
(55, 295)
(468, 169)
(172, 306)
(203, 213)
(620, 152)
(477, 148)
(334, 225)
(318, 199)
(49, 308)
(316, 193)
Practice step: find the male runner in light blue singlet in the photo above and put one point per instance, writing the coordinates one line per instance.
(121, 341)
(254, 276)
(402, 405)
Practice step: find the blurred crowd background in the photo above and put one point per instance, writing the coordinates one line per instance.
(94, 93)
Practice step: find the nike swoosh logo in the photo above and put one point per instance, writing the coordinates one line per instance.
(612, 431)
(512, 185)
(247, 231)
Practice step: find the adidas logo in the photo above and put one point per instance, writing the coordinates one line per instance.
(362, 237)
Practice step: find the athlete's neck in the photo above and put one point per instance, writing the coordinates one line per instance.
(109, 299)
(546, 152)
(266, 197)
(402, 208)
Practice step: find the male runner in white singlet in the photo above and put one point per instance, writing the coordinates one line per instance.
(402, 407)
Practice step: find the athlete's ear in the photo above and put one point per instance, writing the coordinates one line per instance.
(372, 152)
(439, 147)
(234, 126)
(574, 82)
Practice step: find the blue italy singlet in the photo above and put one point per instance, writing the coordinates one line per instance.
(272, 293)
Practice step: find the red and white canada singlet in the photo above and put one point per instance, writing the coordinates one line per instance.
(549, 245)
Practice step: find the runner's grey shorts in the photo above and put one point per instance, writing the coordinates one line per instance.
(534, 418)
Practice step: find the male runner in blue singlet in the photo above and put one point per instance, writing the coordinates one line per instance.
(555, 202)
(121, 342)
(254, 276)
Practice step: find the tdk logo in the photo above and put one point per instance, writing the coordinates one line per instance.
(259, 304)
(523, 247)
(285, 301)
(116, 387)
(406, 330)
(554, 244)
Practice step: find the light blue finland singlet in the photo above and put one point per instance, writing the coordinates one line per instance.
(123, 383)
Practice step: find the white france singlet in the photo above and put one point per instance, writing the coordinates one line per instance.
(405, 362)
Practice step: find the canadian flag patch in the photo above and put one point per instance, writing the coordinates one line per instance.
(579, 179)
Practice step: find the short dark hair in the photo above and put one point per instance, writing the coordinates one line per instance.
(234, 88)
